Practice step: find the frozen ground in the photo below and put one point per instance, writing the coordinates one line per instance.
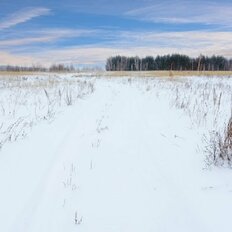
(125, 155)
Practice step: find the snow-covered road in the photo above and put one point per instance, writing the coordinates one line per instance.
(120, 160)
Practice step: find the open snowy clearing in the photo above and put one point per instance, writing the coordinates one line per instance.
(95, 154)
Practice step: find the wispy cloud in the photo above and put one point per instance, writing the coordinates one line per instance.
(22, 16)
(191, 43)
(46, 36)
(180, 12)
(25, 41)
(186, 39)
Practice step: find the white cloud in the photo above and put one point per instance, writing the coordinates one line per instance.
(181, 11)
(24, 41)
(46, 36)
(22, 16)
(187, 39)
(192, 43)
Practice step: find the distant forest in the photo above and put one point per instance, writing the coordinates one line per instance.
(52, 68)
(38, 68)
(169, 62)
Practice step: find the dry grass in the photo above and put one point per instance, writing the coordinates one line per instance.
(26, 101)
(130, 73)
(219, 148)
(165, 73)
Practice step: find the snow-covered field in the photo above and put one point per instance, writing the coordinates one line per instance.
(120, 154)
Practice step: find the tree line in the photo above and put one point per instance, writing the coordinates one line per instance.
(52, 68)
(176, 62)
(38, 68)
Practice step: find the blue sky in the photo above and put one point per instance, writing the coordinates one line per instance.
(86, 32)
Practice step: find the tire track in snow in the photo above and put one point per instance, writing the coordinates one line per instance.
(32, 211)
